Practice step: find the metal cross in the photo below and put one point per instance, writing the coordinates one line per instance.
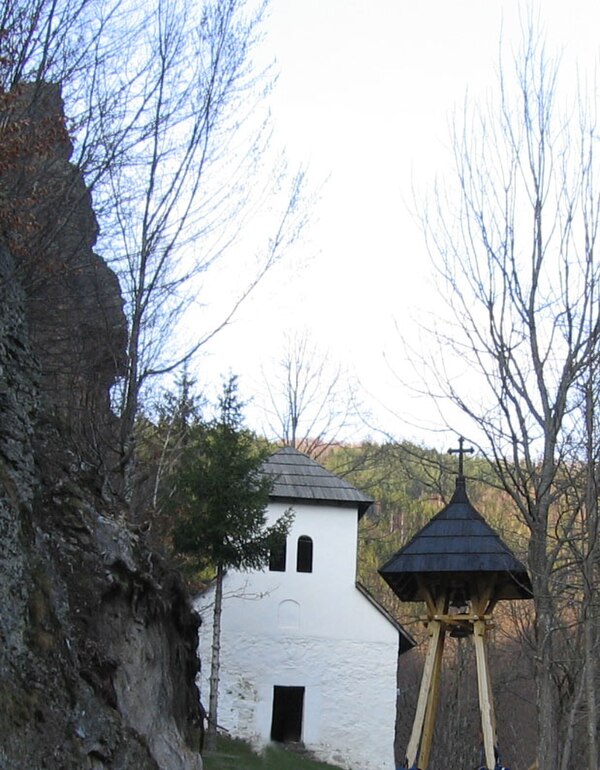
(461, 452)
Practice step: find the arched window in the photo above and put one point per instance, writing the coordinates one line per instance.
(277, 557)
(304, 557)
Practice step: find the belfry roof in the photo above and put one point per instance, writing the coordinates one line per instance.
(456, 545)
(299, 478)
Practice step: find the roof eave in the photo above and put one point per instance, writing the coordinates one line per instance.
(362, 505)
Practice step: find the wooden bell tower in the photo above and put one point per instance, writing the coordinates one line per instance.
(460, 568)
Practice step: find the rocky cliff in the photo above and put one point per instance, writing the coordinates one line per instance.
(97, 638)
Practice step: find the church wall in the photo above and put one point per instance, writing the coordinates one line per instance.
(349, 707)
(313, 630)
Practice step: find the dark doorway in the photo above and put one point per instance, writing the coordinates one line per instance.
(288, 704)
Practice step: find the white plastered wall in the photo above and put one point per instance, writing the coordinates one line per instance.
(313, 630)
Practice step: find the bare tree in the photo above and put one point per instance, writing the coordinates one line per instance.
(182, 193)
(311, 404)
(514, 245)
(580, 535)
(47, 40)
(171, 128)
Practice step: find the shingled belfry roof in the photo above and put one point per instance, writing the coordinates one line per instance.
(456, 546)
(299, 478)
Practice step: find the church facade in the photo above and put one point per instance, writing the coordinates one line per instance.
(307, 655)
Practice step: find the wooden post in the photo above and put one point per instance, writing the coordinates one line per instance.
(436, 635)
(486, 703)
(419, 746)
(432, 702)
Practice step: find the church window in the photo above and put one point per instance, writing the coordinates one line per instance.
(304, 557)
(277, 557)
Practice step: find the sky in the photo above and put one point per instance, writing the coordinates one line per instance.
(364, 99)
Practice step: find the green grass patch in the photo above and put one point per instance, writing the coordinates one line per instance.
(237, 755)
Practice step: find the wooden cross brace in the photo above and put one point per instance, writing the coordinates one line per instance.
(419, 745)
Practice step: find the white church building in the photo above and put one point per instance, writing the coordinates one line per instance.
(307, 655)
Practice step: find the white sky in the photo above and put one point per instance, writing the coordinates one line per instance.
(365, 93)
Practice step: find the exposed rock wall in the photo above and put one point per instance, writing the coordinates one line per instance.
(72, 299)
(97, 637)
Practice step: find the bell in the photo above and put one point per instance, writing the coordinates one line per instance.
(459, 599)
(461, 630)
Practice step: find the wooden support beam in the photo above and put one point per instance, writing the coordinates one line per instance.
(486, 703)
(439, 621)
(436, 635)
(481, 601)
(433, 604)
(432, 703)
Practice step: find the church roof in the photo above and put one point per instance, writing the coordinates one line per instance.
(457, 544)
(299, 478)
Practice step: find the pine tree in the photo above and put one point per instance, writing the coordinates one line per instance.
(220, 498)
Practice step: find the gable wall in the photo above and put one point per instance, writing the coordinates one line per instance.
(312, 630)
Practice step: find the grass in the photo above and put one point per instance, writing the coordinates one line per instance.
(237, 755)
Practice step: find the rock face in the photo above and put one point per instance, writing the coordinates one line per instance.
(72, 300)
(97, 638)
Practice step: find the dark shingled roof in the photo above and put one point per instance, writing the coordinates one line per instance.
(456, 546)
(299, 478)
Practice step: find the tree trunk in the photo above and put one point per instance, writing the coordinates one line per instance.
(547, 700)
(590, 551)
(211, 733)
(590, 691)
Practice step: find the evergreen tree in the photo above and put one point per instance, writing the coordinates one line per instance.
(220, 497)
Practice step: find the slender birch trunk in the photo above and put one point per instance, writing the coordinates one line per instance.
(215, 663)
